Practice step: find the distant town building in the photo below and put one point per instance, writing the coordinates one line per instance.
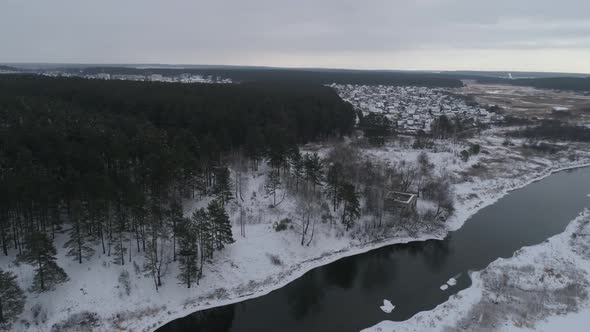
(557, 109)
(129, 77)
(156, 77)
(103, 76)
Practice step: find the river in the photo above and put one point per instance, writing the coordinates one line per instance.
(345, 295)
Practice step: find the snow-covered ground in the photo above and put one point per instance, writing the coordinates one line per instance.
(544, 287)
(265, 259)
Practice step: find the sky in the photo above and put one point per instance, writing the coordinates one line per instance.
(507, 35)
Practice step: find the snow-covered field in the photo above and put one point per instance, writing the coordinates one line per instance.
(544, 287)
(265, 259)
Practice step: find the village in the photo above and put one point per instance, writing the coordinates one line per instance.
(182, 78)
(411, 108)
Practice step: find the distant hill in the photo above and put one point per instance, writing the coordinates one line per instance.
(508, 74)
(448, 79)
(578, 84)
(7, 68)
(557, 83)
(543, 80)
(317, 76)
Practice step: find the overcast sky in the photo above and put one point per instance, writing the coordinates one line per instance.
(540, 35)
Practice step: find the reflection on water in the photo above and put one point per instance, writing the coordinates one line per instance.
(345, 295)
(218, 319)
(305, 297)
(376, 274)
(341, 273)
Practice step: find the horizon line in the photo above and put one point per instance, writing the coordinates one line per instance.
(148, 64)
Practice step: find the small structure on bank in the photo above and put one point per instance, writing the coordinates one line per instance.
(397, 200)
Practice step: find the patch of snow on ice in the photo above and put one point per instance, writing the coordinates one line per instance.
(387, 307)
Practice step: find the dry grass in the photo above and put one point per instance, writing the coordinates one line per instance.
(119, 321)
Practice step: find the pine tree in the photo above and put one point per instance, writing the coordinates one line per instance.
(297, 166)
(120, 237)
(175, 217)
(4, 224)
(333, 184)
(154, 253)
(188, 242)
(138, 212)
(205, 236)
(376, 127)
(313, 169)
(98, 215)
(222, 188)
(40, 252)
(77, 245)
(200, 182)
(272, 185)
(12, 299)
(254, 141)
(277, 155)
(221, 225)
(351, 210)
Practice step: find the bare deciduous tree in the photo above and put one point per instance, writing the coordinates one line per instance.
(308, 211)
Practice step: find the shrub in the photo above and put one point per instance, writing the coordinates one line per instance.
(465, 155)
(516, 121)
(422, 143)
(275, 260)
(82, 321)
(39, 314)
(124, 282)
(544, 147)
(282, 225)
(556, 131)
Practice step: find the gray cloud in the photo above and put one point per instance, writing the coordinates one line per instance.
(290, 33)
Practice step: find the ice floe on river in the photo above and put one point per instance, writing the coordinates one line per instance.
(387, 307)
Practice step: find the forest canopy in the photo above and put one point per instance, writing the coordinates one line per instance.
(83, 145)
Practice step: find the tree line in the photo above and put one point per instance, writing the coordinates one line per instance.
(579, 84)
(554, 130)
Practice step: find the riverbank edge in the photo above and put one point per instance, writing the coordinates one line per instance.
(459, 305)
(463, 212)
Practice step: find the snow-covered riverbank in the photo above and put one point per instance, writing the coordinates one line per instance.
(544, 287)
(265, 260)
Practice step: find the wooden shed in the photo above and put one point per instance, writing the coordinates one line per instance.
(397, 200)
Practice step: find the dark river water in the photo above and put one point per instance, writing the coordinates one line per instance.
(346, 295)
